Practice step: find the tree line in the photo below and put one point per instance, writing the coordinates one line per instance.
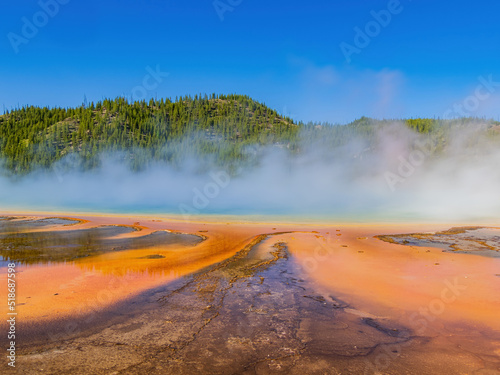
(222, 128)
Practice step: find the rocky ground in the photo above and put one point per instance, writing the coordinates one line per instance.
(253, 313)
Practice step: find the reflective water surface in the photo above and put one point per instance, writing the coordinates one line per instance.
(18, 243)
(247, 298)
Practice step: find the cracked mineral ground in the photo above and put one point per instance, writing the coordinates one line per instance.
(258, 311)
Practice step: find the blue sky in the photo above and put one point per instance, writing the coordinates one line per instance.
(424, 61)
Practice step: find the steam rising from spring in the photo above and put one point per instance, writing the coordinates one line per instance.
(396, 174)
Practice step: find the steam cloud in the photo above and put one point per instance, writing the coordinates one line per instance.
(395, 177)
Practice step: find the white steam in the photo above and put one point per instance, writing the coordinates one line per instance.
(394, 178)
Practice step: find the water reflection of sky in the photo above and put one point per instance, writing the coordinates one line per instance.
(21, 242)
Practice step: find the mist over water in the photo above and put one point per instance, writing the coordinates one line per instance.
(396, 174)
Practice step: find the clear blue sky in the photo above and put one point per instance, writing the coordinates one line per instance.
(284, 53)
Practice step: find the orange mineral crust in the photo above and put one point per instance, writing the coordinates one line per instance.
(378, 278)
(419, 286)
(55, 290)
(212, 295)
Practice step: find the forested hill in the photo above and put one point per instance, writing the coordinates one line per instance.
(161, 130)
(225, 129)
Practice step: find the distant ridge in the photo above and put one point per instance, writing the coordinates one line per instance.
(220, 126)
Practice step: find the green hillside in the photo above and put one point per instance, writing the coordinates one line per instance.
(224, 129)
(161, 130)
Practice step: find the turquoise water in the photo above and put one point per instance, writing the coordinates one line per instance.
(339, 215)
